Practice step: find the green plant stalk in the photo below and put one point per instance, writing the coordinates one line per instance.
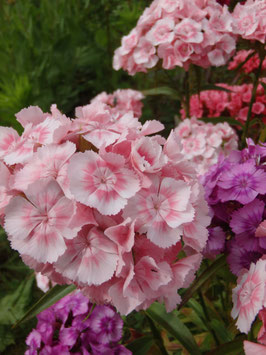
(157, 336)
(254, 90)
(207, 317)
(187, 94)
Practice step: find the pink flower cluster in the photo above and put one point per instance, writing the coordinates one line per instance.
(251, 65)
(202, 142)
(97, 202)
(179, 33)
(249, 20)
(249, 297)
(214, 103)
(122, 101)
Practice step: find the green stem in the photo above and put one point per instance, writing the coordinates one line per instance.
(187, 94)
(207, 317)
(254, 90)
(157, 336)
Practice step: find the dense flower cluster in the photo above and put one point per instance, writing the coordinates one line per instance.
(203, 142)
(179, 33)
(72, 326)
(249, 20)
(214, 103)
(97, 202)
(250, 65)
(122, 101)
(236, 191)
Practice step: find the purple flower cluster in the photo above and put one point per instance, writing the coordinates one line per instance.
(66, 329)
(235, 189)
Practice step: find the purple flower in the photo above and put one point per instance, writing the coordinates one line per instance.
(242, 183)
(240, 258)
(106, 324)
(244, 223)
(216, 242)
(66, 329)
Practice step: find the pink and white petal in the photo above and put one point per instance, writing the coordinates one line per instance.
(44, 244)
(176, 193)
(21, 218)
(184, 270)
(106, 201)
(175, 218)
(151, 127)
(31, 114)
(161, 234)
(101, 137)
(8, 140)
(122, 234)
(254, 348)
(61, 214)
(30, 173)
(155, 275)
(127, 183)
(44, 194)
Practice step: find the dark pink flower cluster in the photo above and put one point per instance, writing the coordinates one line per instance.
(72, 326)
(214, 103)
(202, 142)
(179, 33)
(251, 65)
(97, 202)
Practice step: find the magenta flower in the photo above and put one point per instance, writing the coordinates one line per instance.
(243, 182)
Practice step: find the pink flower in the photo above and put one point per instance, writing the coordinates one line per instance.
(161, 32)
(101, 181)
(189, 31)
(90, 258)
(38, 224)
(161, 210)
(254, 348)
(248, 296)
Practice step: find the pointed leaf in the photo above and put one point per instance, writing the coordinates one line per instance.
(162, 90)
(231, 348)
(214, 87)
(47, 300)
(141, 345)
(174, 326)
(205, 276)
(222, 119)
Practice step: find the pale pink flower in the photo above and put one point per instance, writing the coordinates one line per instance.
(161, 210)
(31, 114)
(161, 32)
(6, 192)
(262, 331)
(38, 224)
(189, 31)
(254, 348)
(8, 141)
(90, 258)
(48, 162)
(43, 282)
(102, 181)
(248, 296)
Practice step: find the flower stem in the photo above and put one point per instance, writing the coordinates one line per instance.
(157, 336)
(254, 90)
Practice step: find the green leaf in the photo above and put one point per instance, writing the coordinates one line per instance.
(220, 330)
(6, 337)
(163, 90)
(231, 348)
(214, 87)
(205, 276)
(12, 306)
(222, 119)
(141, 345)
(174, 326)
(50, 297)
